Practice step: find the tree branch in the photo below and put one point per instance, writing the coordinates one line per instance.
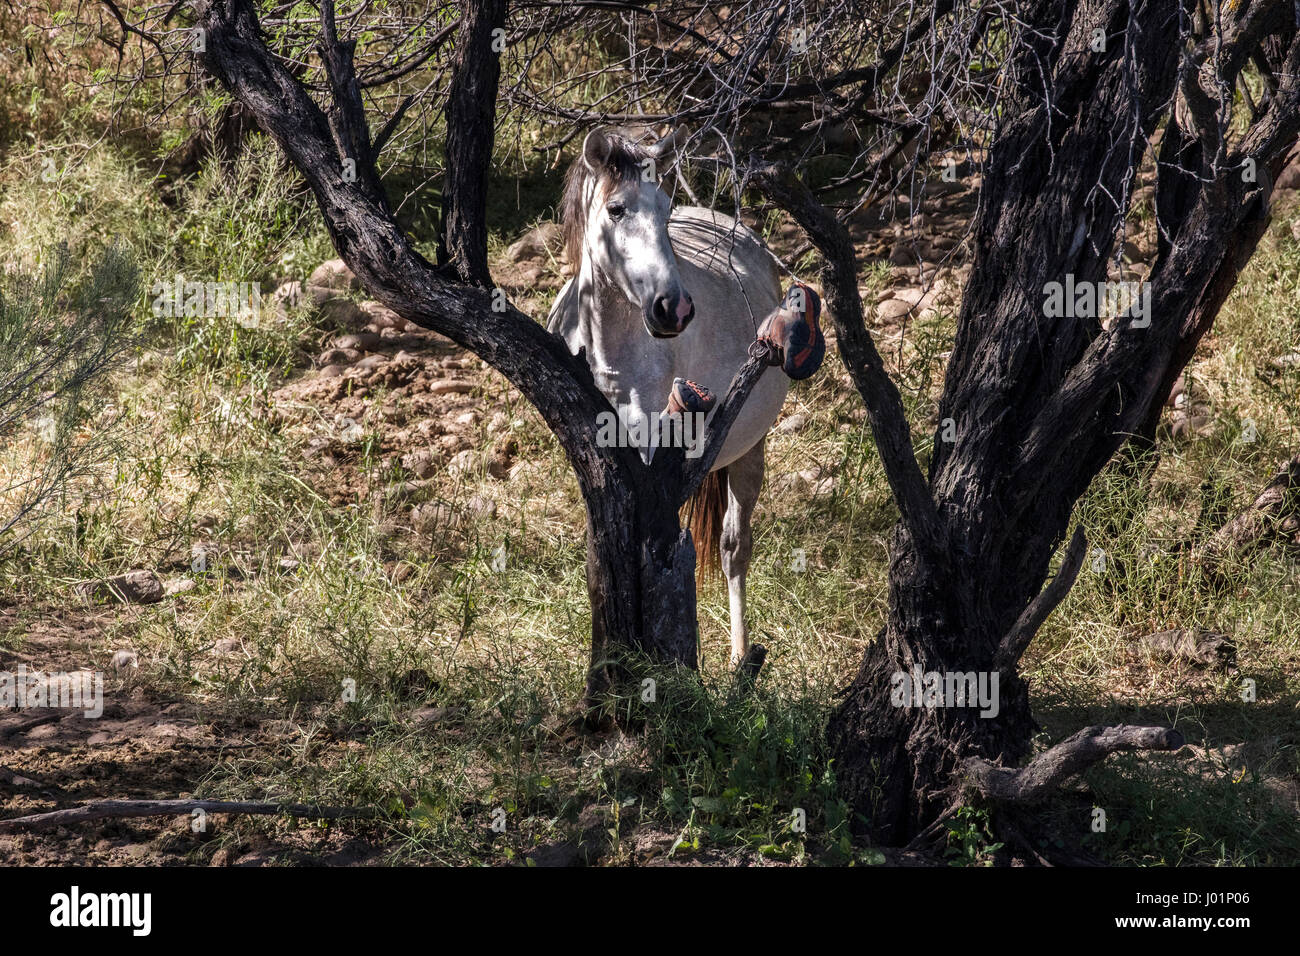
(125, 809)
(1017, 640)
(692, 472)
(884, 404)
(558, 383)
(471, 127)
(1046, 772)
(1273, 515)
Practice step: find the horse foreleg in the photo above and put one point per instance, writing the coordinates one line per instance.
(744, 480)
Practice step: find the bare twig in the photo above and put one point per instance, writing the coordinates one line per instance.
(1031, 619)
(125, 809)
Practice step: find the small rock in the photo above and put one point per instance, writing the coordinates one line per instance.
(823, 487)
(400, 491)
(1290, 360)
(343, 313)
(204, 556)
(1200, 647)
(338, 357)
(461, 462)
(381, 316)
(483, 507)
(334, 274)
(449, 386)
(524, 471)
(792, 424)
(1187, 427)
(910, 295)
(540, 242)
(430, 714)
(903, 254)
(133, 587)
(1289, 177)
(422, 464)
(121, 660)
(319, 295)
(360, 341)
(433, 516)
(178, 586)
(892, 310)
(1176, 392)
(287, 295)
(503, 458)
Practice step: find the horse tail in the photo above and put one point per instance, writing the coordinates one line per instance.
(704, 517)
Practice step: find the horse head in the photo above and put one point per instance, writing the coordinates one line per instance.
(616, 219)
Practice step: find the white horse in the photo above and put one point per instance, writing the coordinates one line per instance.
(642, 276)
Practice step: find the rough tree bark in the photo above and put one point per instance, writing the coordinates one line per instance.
(641, 575)
(1041, 404)
(471, 133)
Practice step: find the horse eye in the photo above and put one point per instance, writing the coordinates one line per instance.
(615, 210)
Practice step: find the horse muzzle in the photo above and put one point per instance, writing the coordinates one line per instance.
(668, 315)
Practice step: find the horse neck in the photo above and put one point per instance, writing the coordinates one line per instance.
(626, 362)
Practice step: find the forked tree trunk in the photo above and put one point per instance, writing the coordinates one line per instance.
(1039, 403)
(642, 564)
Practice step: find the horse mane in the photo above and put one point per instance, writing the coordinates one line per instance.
(623, 164)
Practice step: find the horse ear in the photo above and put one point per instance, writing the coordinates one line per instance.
(667, 147)
(595, 150)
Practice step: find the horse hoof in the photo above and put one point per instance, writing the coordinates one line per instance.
(794, 332)
(686, 396)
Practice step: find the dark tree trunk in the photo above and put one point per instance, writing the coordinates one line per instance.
(471, 133)
(1040, 404)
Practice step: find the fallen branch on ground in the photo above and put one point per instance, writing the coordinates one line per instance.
(122, 809)
(1273, 516)
(1072, 756)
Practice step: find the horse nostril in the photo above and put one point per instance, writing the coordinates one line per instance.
(660, 309)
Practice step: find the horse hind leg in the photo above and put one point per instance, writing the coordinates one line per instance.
(744, 480)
